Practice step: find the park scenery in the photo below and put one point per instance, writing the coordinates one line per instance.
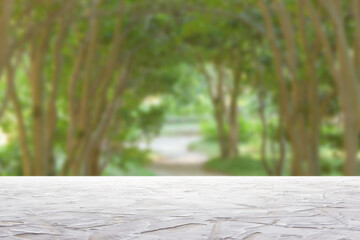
(174, 87)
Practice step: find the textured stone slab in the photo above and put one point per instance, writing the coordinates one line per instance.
(179, 208)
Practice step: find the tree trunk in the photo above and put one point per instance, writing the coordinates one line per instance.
(37, 91)
(351, 137)
(233, 119)
(221, 131)
(298, 98)
(5, 16)
(23, 140)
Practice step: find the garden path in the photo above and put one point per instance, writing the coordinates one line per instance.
(172, 156)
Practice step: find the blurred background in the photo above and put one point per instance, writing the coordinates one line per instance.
(173, 87)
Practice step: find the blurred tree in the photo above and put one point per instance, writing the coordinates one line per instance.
(80, 75)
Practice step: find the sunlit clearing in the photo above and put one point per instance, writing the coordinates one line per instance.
(4, 138)
(152, 101)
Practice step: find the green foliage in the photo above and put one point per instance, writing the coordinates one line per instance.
(9, 164)
(163, 44)
(129, 161)
(244, 166)
(209, 130)
(188, 96)
(139, 117)
(206, 146)
(150, 120)
(332, 136)
(332, 166)
(246, 130)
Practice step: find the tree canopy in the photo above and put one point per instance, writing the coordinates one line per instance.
(82, 81)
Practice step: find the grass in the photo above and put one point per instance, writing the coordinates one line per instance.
(249, 164)
(132, 169)
(243, 166)
(210, 148)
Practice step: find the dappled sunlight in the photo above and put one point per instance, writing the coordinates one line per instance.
(4, 138)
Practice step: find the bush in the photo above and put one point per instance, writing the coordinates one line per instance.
(332, 136)
(209, 130)
(242, 166)
(331, 166)
(130, 156)
(10, 160)
(131, 161)
(246, 129)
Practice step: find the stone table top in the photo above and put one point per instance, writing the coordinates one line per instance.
(180, 208)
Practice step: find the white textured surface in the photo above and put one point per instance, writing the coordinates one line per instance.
(179, 208)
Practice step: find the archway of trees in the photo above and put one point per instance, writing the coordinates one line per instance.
(75, 78)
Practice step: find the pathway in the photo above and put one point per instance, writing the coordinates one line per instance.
(173, 157)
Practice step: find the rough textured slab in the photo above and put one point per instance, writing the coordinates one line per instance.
(179, 208)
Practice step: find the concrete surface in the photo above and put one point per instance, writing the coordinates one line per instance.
(179, 208)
